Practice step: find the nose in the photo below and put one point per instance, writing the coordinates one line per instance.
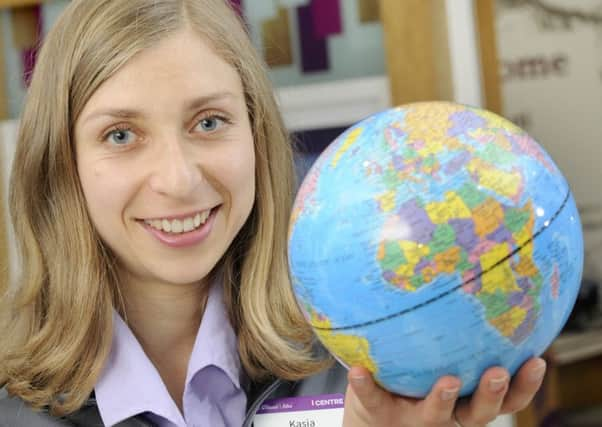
(176, 173)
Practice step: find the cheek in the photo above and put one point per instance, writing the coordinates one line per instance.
(234, 173)
(104, 193)
(245, 176)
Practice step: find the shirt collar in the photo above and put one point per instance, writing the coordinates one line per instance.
(216, 343)
(130, 384)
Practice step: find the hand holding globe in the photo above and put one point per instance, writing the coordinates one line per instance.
(435, 240)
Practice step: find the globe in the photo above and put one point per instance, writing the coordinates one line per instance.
(435, 239)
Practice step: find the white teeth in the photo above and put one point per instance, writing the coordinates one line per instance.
(204, 216)
(176, 226)
(180, 225)
(188, 225)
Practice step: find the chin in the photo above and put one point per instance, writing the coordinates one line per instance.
(184, 280)
(179, 277)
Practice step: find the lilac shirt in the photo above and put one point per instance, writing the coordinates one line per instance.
(130, 384)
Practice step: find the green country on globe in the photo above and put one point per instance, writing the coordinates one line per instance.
(435, 239)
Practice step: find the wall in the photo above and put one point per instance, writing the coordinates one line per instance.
(551, 57)
(8, 271)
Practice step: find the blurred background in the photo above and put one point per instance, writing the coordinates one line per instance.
(334, 62)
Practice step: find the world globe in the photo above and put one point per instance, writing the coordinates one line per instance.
(435, 239)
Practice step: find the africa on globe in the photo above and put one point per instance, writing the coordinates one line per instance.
(435, 239)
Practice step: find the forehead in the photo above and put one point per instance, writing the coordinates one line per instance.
(181, 65)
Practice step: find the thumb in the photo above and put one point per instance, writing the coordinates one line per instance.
(363, 390)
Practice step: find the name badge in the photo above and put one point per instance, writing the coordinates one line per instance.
(325, 410)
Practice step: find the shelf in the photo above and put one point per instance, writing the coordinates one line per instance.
(18, 3)
(574, 347)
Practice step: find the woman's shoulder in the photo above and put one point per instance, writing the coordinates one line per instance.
(15, 413)
(331, 380)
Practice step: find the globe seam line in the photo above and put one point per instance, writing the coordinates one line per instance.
(455, 288)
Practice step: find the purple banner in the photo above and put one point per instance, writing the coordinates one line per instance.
(302, 403)
(237, 5)
(30, 55)
(314, 56)
(326, 15)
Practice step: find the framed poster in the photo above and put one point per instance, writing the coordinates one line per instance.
(550, 55)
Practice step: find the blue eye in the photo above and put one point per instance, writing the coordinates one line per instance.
(209, 124)
(120, 136)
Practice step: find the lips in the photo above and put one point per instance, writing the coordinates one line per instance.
(183, 231)
(180, 225)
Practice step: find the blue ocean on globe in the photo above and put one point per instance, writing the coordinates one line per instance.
(435, 239)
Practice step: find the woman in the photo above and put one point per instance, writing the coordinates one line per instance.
(150, 195)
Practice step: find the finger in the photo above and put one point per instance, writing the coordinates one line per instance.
(524, 385)
(486, 402)
(438, 406)
(364, 396)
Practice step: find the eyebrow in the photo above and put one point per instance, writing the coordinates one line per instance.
(193, 104)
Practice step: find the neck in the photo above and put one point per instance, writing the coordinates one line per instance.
(165, 319)
(161, 315)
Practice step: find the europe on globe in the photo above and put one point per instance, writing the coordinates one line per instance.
(435, 239)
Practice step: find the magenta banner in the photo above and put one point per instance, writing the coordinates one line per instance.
(314, 54)
(29, 55)
(326, 15)
(237, 4)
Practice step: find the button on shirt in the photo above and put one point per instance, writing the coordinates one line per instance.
(131, 385)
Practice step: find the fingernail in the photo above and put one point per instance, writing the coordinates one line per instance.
(497, 384)
(360, 381)
(538, 372)
(449, 393)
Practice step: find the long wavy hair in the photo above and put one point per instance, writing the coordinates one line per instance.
(56, 322)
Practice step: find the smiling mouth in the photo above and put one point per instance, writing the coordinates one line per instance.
(181, 225)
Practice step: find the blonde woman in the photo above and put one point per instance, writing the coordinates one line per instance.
(150, 197)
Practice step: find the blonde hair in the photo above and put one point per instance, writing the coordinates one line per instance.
(57, 323)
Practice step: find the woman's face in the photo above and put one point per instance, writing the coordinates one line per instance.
(166, 160)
